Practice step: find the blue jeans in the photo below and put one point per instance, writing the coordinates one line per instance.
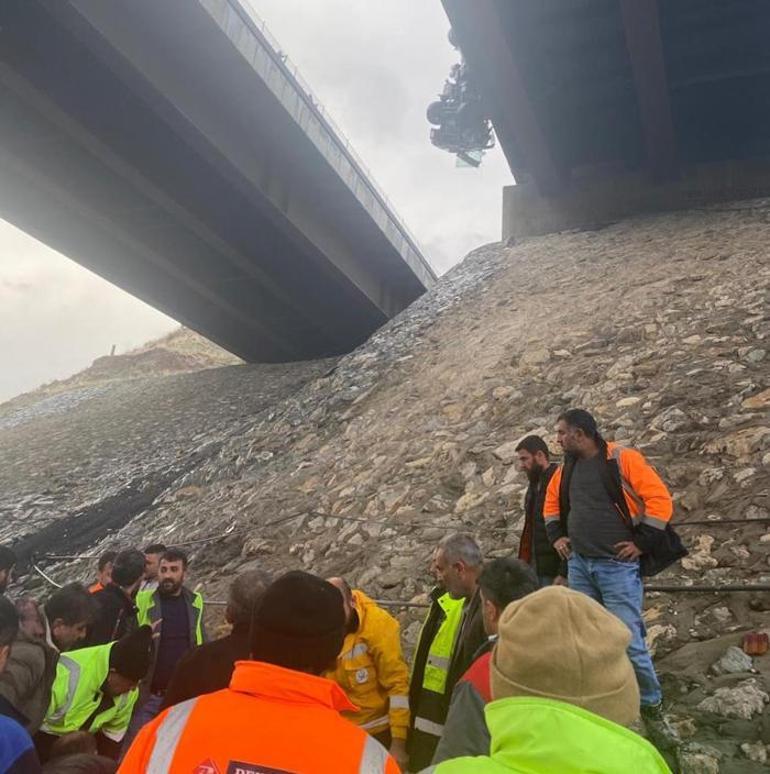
(618, 586)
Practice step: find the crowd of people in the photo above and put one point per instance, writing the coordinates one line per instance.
(535, 663)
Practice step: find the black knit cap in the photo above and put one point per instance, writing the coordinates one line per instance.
(131, 655)
(299, 623)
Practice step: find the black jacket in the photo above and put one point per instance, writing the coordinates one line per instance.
(115, 616)
(421, 745)
(470, 638)
(207, 668)
(535, 547)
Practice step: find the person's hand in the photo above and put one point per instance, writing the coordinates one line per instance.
(563, 547)
(398, 752)
(627, 551)
(156, 628)
(559, 580)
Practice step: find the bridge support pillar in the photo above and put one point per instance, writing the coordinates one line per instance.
(591, 203)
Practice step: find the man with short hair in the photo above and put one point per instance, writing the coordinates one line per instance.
(152, 555)
(278, 714)
(371, 670)
(450, 637)
(104, 571)
(176, 616)
(57, 626)
(95, 691)
(534, 546)
(116, 613)
(501, 582)
(17, 753)
(210, 666)
(605, 507)
(563, 693)
(7, 565)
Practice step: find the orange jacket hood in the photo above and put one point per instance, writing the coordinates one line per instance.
(268, 681)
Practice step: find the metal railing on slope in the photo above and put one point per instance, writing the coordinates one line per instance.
(231, 531)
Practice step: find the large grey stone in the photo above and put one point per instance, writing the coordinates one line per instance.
(734, 660)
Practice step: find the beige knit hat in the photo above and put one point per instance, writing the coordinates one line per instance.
(560, 644)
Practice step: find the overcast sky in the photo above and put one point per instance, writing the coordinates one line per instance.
(375, 66)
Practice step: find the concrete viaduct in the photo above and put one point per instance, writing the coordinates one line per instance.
(172, 149)
(607, 108)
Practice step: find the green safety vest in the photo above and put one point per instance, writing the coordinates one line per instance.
(78, 690)
(148, 611)
(440, 651)
(542, 736)
(430, 710)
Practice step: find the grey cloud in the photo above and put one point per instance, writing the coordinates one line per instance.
(15, 286)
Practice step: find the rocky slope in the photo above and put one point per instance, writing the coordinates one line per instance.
(659, 325)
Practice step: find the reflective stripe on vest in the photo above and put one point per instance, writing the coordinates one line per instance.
(78, 690)
(440, 651)
(167, 737)
(374, 759)
(429, 727)
(197, 605)
(73, 670)
(357, 650)
(399, 702)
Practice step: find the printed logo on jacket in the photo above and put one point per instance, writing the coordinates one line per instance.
(241, 767)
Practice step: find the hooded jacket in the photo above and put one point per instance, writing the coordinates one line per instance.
(29, 674)
(270, 719)
(372, 671)
(542, 736)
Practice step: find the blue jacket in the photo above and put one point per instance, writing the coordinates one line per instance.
(17, 753)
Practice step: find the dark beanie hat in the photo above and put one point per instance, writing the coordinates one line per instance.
(131, 655)
(299, 623)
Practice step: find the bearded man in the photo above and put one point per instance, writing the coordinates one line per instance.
(535, 548)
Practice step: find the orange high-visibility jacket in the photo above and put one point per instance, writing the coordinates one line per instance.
(648, 499)
(372, 671)
(269, 719)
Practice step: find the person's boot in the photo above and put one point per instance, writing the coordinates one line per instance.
(661, 733)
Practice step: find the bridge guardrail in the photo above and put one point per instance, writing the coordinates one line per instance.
(251, 16)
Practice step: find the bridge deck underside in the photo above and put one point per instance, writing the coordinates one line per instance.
(99, 163)
(623, 84)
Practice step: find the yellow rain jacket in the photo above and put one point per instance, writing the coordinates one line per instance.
(372, 671)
